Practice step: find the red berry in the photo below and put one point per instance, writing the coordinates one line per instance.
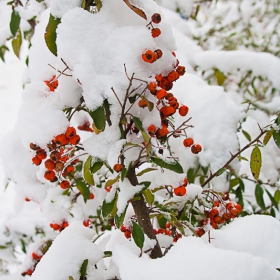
(91, 196)
(70, 132)
(49, 175)
(180, 191)
(65, 184)
(196, 148)
(75, 140)
(36, 160)
(118, 167)
(155, 32)
(156, 18)
(188, 142)
(49, 164)
(183, 110)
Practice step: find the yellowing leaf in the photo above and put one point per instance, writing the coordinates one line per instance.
(256, 162)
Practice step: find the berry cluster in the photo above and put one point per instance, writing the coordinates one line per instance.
(126, 231)
(59, 227)
(61, 161)
(221, 213)
(167, 231)
(36, 259)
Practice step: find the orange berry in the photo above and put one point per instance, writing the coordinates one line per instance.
(229, 205)
(41, 153)
(217, 219)
(233, 213)
(70, 169)
(158, 77)
(142, 103)
(226, 216)
(161, 93)
(29, 272)
(214, 212)
(91, 196)
(168, 224)
(36, 160)
(200, 232)
(188, 142)
(165, 83)
(49, 175)
(118, 167)
(61, 140)
(162, 132)
(70, 132)
(127, 234)
(123, 228)
(180, 191)
(149, 56)
(108, 189)
(238, 208)
(52, 83)
(158, 53)
(65, 224)
(156, 18)
(174, 104)
(155, 32)
(49, 164)
(196, 148)
(65, 184)
(75, 140)
(216, 204)
(181, 70)
(152, 129)
(214, 225)
(166, 111)
(183, 110)
(173, 76)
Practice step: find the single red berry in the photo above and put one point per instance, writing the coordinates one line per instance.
(188, 142)
(183, 110)
(200, 231)
(155, 32)
(75, 140)
(173, 76)
(65, 184)
(49, 164)
(152, 129)
(41, 153)
(36, 160)
(181, 70)
(196, 148)
(70, 132)
(180, 191)
(149, 56)
(49, 175)
(118, 167)
(158, 53)
(91, 196)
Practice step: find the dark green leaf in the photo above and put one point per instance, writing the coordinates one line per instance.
(99, 117)
(16, 43)
(239, 195)
(124, 172)
(82, 187)
(3, 49)
(259, 196)
(50, 34)
(267, 137)
(233, 182)
(247, 135)
(276, 137)
(256, 162)
(107, 111)
(83, 269)
(175, 166)
(272, 212)
(221, 171)
(96, 166)
(138, 235)
(272, 199)
(119, 219)
(14, 22)
(138, 123)
(108, 207)
(23, 247)
(132, 99)
(108, 254)
(191, 175)
(87, 172)
(241, 184)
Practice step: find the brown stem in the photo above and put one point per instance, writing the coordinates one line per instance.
(142, 213)
(234, 156)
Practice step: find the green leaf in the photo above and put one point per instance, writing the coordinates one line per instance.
(108, 207)
(108, 254)
(71, 278)
(242, 158)
(82, 187)
(233, 182)
(220, 77)
(221, 171)
(149, 196)
(124, 172)
(247, 135)
(16, 43)
(256, 162)
(112, 181)
(138, 123)
(99, 117)
(175, 166)
(119, 219)
(272, 199)
(267, 136)
(239, 195)
(191, 175)
(87, 172)
(23, 247)
(259, 196)
(96, 166)
(149, 169)
(83, 269)
(138, 235)
(98, 4)
(3, 49)
(276, 137)
(14, 22)
(272, 212)
(50, 34)
(277, 196)
(46, 246)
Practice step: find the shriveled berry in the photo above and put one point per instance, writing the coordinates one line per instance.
(55, 156)
(59, 166)
(33, 146)
(156, 18)
(188, 142)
